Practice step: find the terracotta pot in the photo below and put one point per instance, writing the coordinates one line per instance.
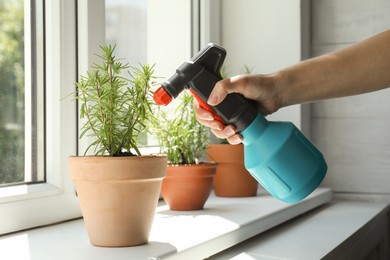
(231, 179)
(118, 196)
(187, 187)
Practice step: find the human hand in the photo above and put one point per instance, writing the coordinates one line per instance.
(261, 88)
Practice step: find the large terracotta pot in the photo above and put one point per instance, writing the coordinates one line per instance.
(118, 196)
(232, 178)
(187, 187)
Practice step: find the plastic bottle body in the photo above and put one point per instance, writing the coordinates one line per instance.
(282, 159)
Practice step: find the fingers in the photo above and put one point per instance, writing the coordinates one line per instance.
(225, 132)
(206, 118)
(235, 139)
(228, 133)
(217, 128)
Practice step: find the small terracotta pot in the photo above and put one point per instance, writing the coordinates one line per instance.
(232, 178)
(187, 187)
(118, 196)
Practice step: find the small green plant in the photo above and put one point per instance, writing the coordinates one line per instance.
(246, 70)
(223, 72)
(180, 135)
(116, 107)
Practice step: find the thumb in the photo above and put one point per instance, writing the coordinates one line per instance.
(219, 92)
(224, 87)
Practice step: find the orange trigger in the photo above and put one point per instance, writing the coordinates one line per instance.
(206, 107)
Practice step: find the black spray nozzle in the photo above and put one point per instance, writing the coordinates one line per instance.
(210, 58)
(200, 74)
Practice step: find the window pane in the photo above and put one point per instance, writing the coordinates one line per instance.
(126, 26)
(12, 92)
(19, 92)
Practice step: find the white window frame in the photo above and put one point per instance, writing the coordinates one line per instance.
(27, 206)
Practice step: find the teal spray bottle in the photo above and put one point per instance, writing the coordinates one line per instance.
(276, 154)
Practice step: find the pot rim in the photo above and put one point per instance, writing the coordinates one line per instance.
(106, 168)
(117, 157)
(240, 144)
(202, 163)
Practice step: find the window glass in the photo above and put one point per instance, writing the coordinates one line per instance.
(19, 92)
(126, 27)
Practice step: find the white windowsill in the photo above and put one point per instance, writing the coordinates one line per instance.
(223, 222)
(341, 229)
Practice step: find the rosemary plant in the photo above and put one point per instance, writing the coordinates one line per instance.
(180, 135)
(115, 102)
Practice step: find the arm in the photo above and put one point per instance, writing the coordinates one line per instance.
(361, 68)
(358, 69)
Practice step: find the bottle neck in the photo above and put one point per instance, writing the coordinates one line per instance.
(255, 129)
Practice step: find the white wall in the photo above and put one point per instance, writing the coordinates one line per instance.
(169, 35)
(352, 132)
(265, 35)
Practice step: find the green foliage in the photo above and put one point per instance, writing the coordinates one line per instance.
(246, 70)
(12, 156)
(116, 108)
(180, 135)
(223, 72)
(11, 91)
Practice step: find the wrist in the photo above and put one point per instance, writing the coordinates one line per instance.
(293, 84)
(280, 83)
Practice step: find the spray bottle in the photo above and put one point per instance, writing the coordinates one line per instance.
(276, 154)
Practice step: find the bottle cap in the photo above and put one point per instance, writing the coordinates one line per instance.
(161, 97)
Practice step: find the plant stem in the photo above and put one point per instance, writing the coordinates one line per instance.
(89, 121)
(111, 132)
(102, 115)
